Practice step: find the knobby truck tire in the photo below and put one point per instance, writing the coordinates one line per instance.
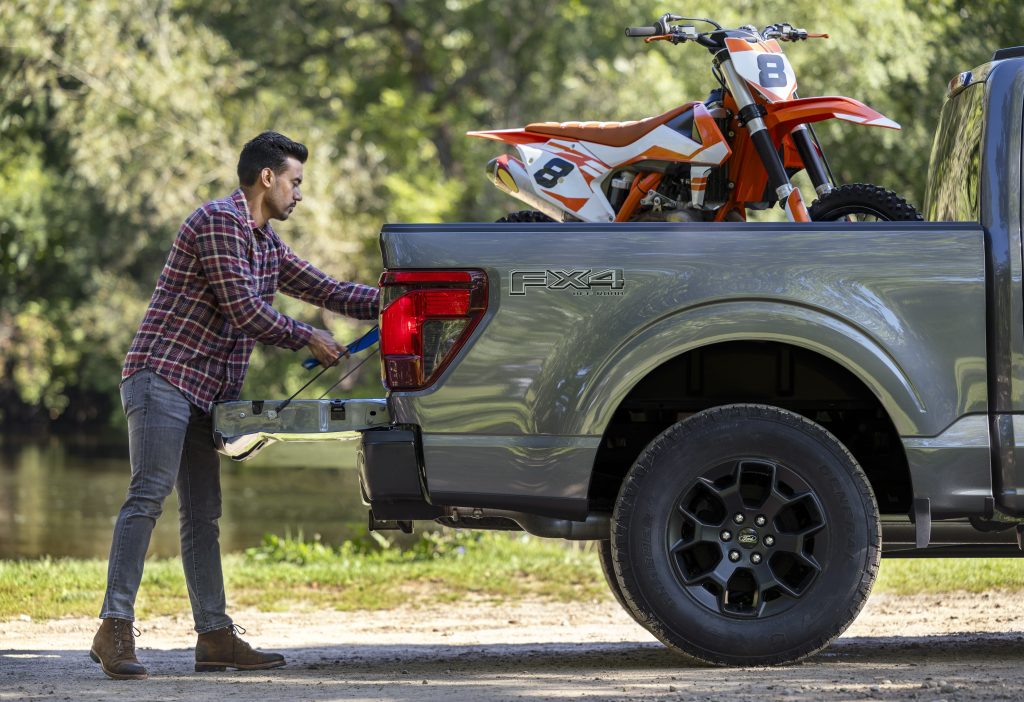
(807, 466)
(604, 555)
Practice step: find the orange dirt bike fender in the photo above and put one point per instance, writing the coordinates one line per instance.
(815, 109)
(512, 136)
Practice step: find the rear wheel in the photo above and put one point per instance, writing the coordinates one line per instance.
(604, 555)
(862, 202)
(746, 535)
(525, 216)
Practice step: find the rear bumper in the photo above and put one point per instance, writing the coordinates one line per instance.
(405, 475)
(537, 473)
(242, 428)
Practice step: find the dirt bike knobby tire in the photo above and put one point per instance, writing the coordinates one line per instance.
(525, 216)
(864, 199)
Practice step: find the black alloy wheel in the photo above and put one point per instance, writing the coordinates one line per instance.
(746, 535)
(743, 538)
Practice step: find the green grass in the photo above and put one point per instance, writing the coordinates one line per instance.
(916, 575)
(288, 573)
(373, 573)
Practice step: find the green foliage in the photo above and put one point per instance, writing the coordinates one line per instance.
(276, 549)
(118, 117)
(372, 546)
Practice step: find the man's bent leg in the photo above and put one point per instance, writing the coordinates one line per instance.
(157, 422)
(199, 506)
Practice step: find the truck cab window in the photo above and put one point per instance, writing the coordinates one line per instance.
(954, 172)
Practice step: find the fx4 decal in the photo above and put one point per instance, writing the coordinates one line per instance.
(585, 281)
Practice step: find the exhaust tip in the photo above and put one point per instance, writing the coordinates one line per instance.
(497, 170)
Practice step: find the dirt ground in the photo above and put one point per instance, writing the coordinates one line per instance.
(928, 648)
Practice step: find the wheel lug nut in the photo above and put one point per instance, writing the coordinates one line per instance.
(769, 540)
(726, 535)
(760, 520)
(755, 558)
(734, 556)
(738, 518)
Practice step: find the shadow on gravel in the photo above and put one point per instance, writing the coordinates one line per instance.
(523, 671)
(922, 649)
(379, 659)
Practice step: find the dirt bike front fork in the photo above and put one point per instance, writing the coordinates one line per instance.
(788, 195)
(751, 116)
(813, 161)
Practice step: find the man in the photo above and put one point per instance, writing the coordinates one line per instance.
(212, 303)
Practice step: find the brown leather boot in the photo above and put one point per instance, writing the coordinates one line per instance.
(221, 649)
(113, 648)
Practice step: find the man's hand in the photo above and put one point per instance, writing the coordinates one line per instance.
(324, 347)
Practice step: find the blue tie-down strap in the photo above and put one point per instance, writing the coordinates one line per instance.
(361, 344)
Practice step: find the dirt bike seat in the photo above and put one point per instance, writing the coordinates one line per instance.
(607, 133)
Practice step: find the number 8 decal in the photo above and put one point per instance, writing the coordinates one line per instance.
(556, 168)
(772, 71)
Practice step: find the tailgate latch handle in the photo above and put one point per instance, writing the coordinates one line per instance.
(337, 410)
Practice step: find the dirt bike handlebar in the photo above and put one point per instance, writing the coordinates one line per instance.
(784, 31)
(662, 30)
(660, 27)
(642, 31)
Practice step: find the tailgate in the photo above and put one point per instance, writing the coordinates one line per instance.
(244, 427)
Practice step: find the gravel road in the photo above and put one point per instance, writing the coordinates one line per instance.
(929, 648)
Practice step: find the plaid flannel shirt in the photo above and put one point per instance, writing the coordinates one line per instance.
(213, 299)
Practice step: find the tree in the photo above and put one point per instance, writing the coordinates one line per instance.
(117, 117)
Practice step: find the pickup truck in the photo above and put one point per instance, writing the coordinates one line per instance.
(744, 416)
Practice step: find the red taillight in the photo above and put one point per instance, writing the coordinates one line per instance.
(428, 277)
(426, 317)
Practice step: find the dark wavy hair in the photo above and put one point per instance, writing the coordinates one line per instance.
(268, 150)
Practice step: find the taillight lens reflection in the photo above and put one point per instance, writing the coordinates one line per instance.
(425, 319)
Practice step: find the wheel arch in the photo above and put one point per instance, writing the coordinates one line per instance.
(680, 366)
(834, 338)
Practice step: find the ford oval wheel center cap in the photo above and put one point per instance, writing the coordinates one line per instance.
(747, 538)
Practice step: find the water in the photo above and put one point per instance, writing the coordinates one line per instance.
(60, 496)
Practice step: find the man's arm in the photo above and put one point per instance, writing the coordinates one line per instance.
(302, 280)
(221, 246)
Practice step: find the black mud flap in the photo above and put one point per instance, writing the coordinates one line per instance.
(391, 478)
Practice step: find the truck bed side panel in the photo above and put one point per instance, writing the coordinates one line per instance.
(901, 305)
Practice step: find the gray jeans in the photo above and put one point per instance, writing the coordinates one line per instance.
(171, 445)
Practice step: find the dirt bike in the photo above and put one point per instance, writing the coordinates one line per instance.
(702, 161)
